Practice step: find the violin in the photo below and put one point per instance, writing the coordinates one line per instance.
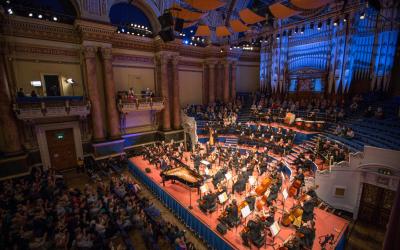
(288, 218)
(294, 187)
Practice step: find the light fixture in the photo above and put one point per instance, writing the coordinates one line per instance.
(10, 11)
(30, 14)
(36, 83)
(123, 30)
(277, 36)
(191, 31)
(55, 18)
(362, 16)
(336, 22)
(302, 30)
(222, 50)
(319, 26)
(40, 16)
(345, 19)
(70, 81)
(296, 30)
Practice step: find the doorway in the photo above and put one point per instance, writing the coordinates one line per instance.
(52, 85)
(375, 205)
(61, 146)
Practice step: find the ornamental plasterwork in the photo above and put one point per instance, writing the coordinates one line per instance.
(134, 58)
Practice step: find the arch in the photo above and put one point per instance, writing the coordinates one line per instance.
(147, 7)
(77, 8)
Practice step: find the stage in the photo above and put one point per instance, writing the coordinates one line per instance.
(177, 197)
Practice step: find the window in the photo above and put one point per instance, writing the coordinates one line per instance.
(339, 191)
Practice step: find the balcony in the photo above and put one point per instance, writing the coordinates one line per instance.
(140, 104)
(29, 108)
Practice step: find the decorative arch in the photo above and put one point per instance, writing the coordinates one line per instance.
(148, 7)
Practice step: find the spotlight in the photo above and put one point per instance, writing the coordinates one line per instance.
(191, 31)
(302, 30)
(222, 50)
(40, 16)
(123, 30)
(10, 11)
(345, 19)
(186, 42)
(296, 30)
(362, 16)
(336, 22)
(30, 14)
(55, 18)
(131, 24)
(319, 26)
(142, 26)
(135, 25)
(118, 31)
(277, 36)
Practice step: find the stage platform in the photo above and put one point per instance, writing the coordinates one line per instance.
(177, 197)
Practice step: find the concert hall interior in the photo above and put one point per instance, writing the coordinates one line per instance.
(200, 124)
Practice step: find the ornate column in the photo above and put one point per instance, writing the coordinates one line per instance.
(205, 95)
(92, 86)
(211, 82)
(175, 99)
(162, 64)
(225, 90)
(392, 239)
(7, 118)
(233, 81)
(111, 106)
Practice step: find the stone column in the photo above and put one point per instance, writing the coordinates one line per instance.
(162, 63)
(8, 120)
(211, 82)
(392, 239)
(175, 99)
(225, 89)
(205, 95)
(94, 97)
(233, 82)
(111, 105)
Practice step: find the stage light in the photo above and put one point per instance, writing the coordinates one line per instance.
(296, 30)
(277, 37)
(186, 42)
(345, 19)
(10, 11)
(131, 24)
(30, 14)
(362, 16)
(135, 25)
(40, 16)
(191, 31)
(319, 26)
(123, 30)
(55, 19)
(222, 50)
(118, 31)
(302, 30)
(128, 33)
(336, 22)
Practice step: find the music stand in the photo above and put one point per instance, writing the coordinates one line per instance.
(274, 229)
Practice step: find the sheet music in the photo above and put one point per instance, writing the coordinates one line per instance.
(274, 228)
(252, 180)
(245, 211)
(285, 194)
(228, 176)
(204, 188)
(205, 162)
(222, 197)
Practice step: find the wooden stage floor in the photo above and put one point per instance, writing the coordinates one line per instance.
(326, 223)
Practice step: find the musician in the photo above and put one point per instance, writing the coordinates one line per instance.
(300, 177)
(253, 233)
(164, 163)
(219, 176)
(273, 194)
(307, 234)
(232, 214)
(240, 185)
(196, 161)
(208, 202)
(308, 206)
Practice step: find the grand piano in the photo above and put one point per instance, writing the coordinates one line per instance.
(182, 173)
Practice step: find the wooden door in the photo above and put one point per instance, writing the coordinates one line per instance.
(61, 146)
(375, 205)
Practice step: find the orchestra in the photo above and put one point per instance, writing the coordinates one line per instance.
(251, 179)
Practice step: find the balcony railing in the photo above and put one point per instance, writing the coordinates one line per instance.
(140, 104)
(28, 108)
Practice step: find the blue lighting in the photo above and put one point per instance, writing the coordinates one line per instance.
(186, 42)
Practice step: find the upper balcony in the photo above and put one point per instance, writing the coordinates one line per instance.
(30, 108)
(140, 103)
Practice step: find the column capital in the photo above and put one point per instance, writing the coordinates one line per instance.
(106, 53)
(175, 60)
(211, 62)
(89, 51)
(162, 58)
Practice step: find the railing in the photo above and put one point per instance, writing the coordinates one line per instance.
(28, 108)
(141, 104)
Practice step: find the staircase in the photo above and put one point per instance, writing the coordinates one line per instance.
(233, 142)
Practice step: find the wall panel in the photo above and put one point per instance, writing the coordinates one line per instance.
(247, 78)
(190, 87)
(138, 78)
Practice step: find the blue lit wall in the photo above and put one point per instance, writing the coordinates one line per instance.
(338, 51)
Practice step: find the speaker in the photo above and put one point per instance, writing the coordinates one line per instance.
(222, 229)
(167, 34)
(166, 20)
(179, 25)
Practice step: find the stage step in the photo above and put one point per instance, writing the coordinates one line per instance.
(231, 141)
